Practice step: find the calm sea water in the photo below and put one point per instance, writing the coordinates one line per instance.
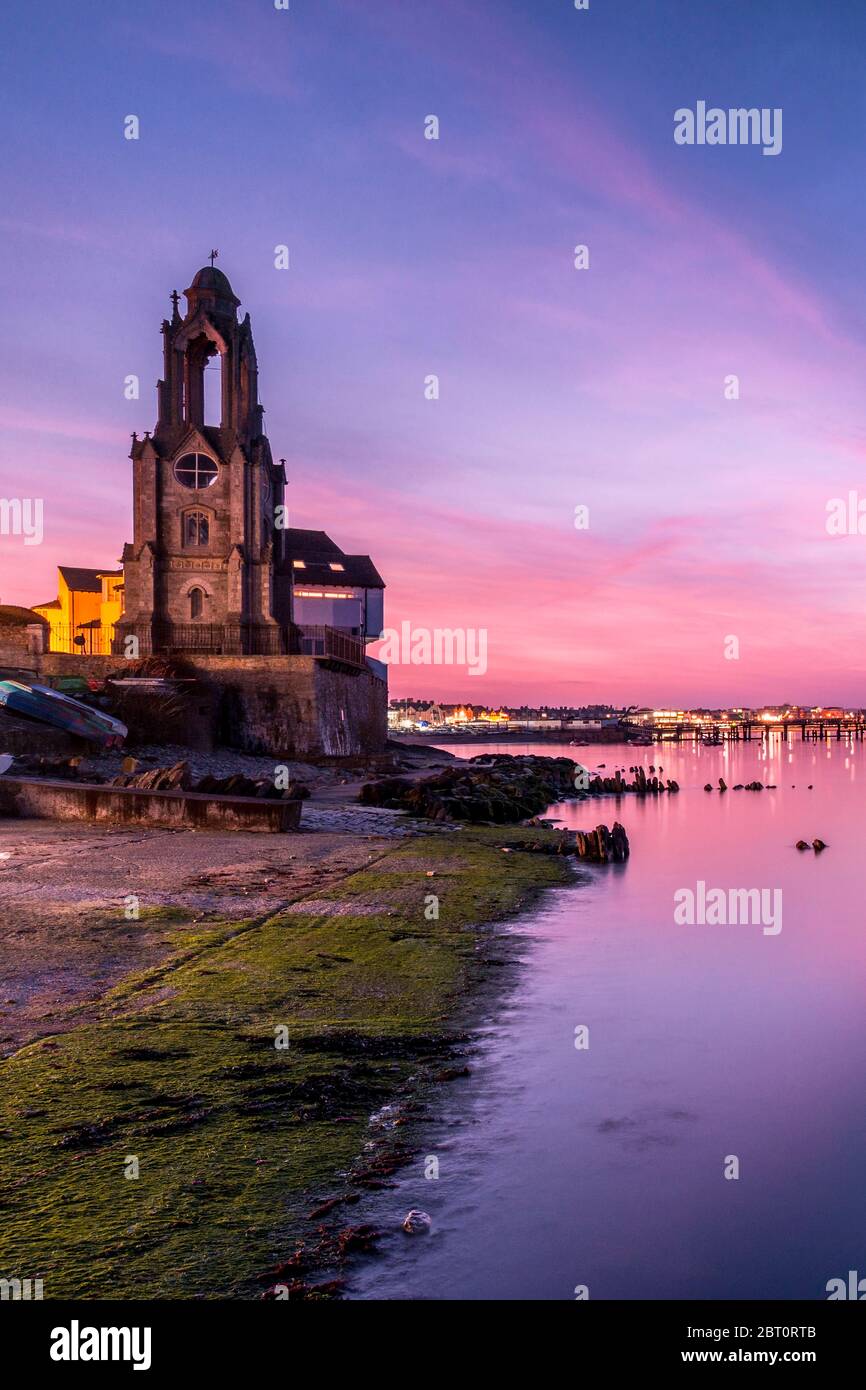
(605, 1167)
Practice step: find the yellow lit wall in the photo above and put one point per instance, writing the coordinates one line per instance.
(74, 607)
(111, 607)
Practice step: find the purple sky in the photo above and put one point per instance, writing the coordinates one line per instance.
(558, 387)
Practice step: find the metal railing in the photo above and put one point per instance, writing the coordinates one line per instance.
(81, 641)
(332, 645)
(226, 639)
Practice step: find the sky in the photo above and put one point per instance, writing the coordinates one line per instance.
(559, 388)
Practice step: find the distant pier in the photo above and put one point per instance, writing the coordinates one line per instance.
(744, 731)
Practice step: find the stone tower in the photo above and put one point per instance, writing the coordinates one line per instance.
(205, 570)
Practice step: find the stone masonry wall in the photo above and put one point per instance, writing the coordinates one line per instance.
(18, 648)
(285, 706)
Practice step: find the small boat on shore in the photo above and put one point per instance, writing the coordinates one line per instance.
(48, 706)
(115, 728)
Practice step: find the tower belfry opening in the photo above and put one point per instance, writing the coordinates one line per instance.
(212, 400)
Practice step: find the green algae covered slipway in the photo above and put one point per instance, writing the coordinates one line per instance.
(237, 1074)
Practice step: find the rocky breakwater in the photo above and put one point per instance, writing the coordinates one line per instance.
(577, 779)
(501, 789)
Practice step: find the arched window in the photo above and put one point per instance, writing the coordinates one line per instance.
(196, 603)
(195, 528)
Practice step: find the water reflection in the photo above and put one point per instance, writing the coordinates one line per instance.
(605, 1166)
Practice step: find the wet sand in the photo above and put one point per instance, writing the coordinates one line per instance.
(65, 938)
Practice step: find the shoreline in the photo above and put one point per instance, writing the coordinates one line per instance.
(172, 1059)
(413, 1128)
(589, 739)
(318, 1268)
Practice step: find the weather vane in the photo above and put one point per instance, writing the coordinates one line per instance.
(213, 256)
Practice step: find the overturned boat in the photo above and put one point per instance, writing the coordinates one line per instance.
(48, 706)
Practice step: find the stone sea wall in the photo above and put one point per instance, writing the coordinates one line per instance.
(283, 706)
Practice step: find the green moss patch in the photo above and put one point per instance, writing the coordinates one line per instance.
(177, 1068)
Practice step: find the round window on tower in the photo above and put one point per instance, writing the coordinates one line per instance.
(195, 471)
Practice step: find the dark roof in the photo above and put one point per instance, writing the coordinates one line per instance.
(211, 288)
(13, 616)
(361, 570)
(300, 543)
(319, 552)
(51, 603)
(358, 571)
(86, 581)
(211, 278)
(82, 581)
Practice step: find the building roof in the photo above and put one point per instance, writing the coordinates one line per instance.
(319, 552)
(51, 603)
(86, 581)
(212, 287)
(11, 615)
(360, 570)
(212, 279)
(301, 543)
(82, 581)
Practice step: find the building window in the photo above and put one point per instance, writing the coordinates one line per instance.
(196, 603)
(196, 528)
(298, 565)
(339, 568)
(195, 471)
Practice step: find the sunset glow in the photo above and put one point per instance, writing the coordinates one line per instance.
(559, 388)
